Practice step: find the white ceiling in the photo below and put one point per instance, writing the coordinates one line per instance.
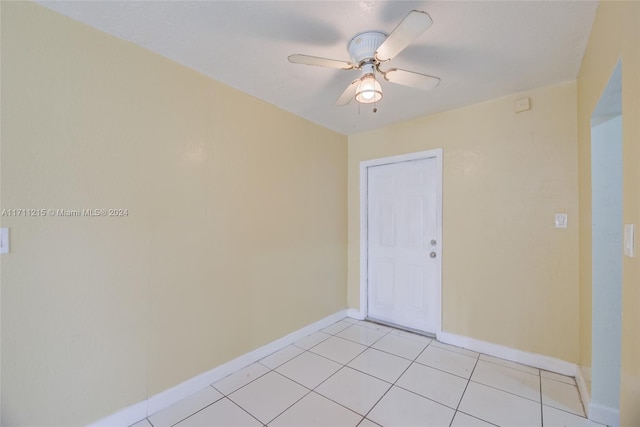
(480, 49)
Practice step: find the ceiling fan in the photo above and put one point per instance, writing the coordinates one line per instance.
(370, 49)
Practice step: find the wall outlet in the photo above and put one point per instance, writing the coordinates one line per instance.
(629, 240)
(4, 240)
(521, 105)
(561, 220)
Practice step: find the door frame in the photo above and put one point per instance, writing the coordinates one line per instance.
(606, 327)
(364, 238)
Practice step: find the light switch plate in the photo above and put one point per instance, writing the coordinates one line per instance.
(521, 105)
(629, 240)
(561, 220)
(4, 240)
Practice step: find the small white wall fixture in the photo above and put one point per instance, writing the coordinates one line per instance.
(4, 240)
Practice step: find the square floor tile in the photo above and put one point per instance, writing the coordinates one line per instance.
(561, 396)
(510, 364)
(279, 357)
(268, 396)
(507, 379)
(223, 413)
(448, 361)
(351, 320)
(499, 407)
(400, 346)
(455, 349)
(142, 423)
(361, 334)
(309, 369)
(558, 377)
(381, 365)
(402, 408)
(556, 418)
(312, 340)
(187, 406)
(463, 420)
(338, 349)
(315, 410)
(353, 389)
(238, 379)
(411, 336)
(336, 327)
(368, 423)
(433, 384)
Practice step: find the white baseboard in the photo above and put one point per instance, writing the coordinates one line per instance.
(355, 314)
(141, 410)
(531, 359)
(125, 417)
(604, 415)
(597, 413)
(584, 390)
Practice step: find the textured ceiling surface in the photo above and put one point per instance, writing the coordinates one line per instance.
(480, 49)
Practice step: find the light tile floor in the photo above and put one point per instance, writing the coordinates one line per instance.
(355, 373)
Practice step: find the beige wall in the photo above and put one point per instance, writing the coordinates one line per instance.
(236, 233)
(509, 277)
(615, 35)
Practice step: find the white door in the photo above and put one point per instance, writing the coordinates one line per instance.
(403, 256)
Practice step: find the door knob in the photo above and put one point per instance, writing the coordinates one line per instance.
(433, 242)
(432, 254)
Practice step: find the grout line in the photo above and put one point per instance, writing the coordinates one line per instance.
(289, 360)
(477, 418)
(288, 407)
(505, 391)
(371, 375)
(313, 391)
(397, 355)
(464, 391)
(335, 361)
(193, 413)
(442, 370)
(424, 397)
(246, 412)
(346, 366)
(318, 343)
(309, 390)
(385, 332)
(385, 393)
(568, 412)
(511, 367)
(244, 385)
(291, 379)
(574, 384)
(339, 404)
(291, 345)
(316, 387)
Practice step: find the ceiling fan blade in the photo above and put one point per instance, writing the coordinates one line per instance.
(348, 94)
(321, 62)
(411, 79)
(409, 29)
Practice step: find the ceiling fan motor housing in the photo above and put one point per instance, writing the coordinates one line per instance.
(363, 46)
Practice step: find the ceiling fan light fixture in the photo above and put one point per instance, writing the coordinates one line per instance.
(369, 90)
(371, 48)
